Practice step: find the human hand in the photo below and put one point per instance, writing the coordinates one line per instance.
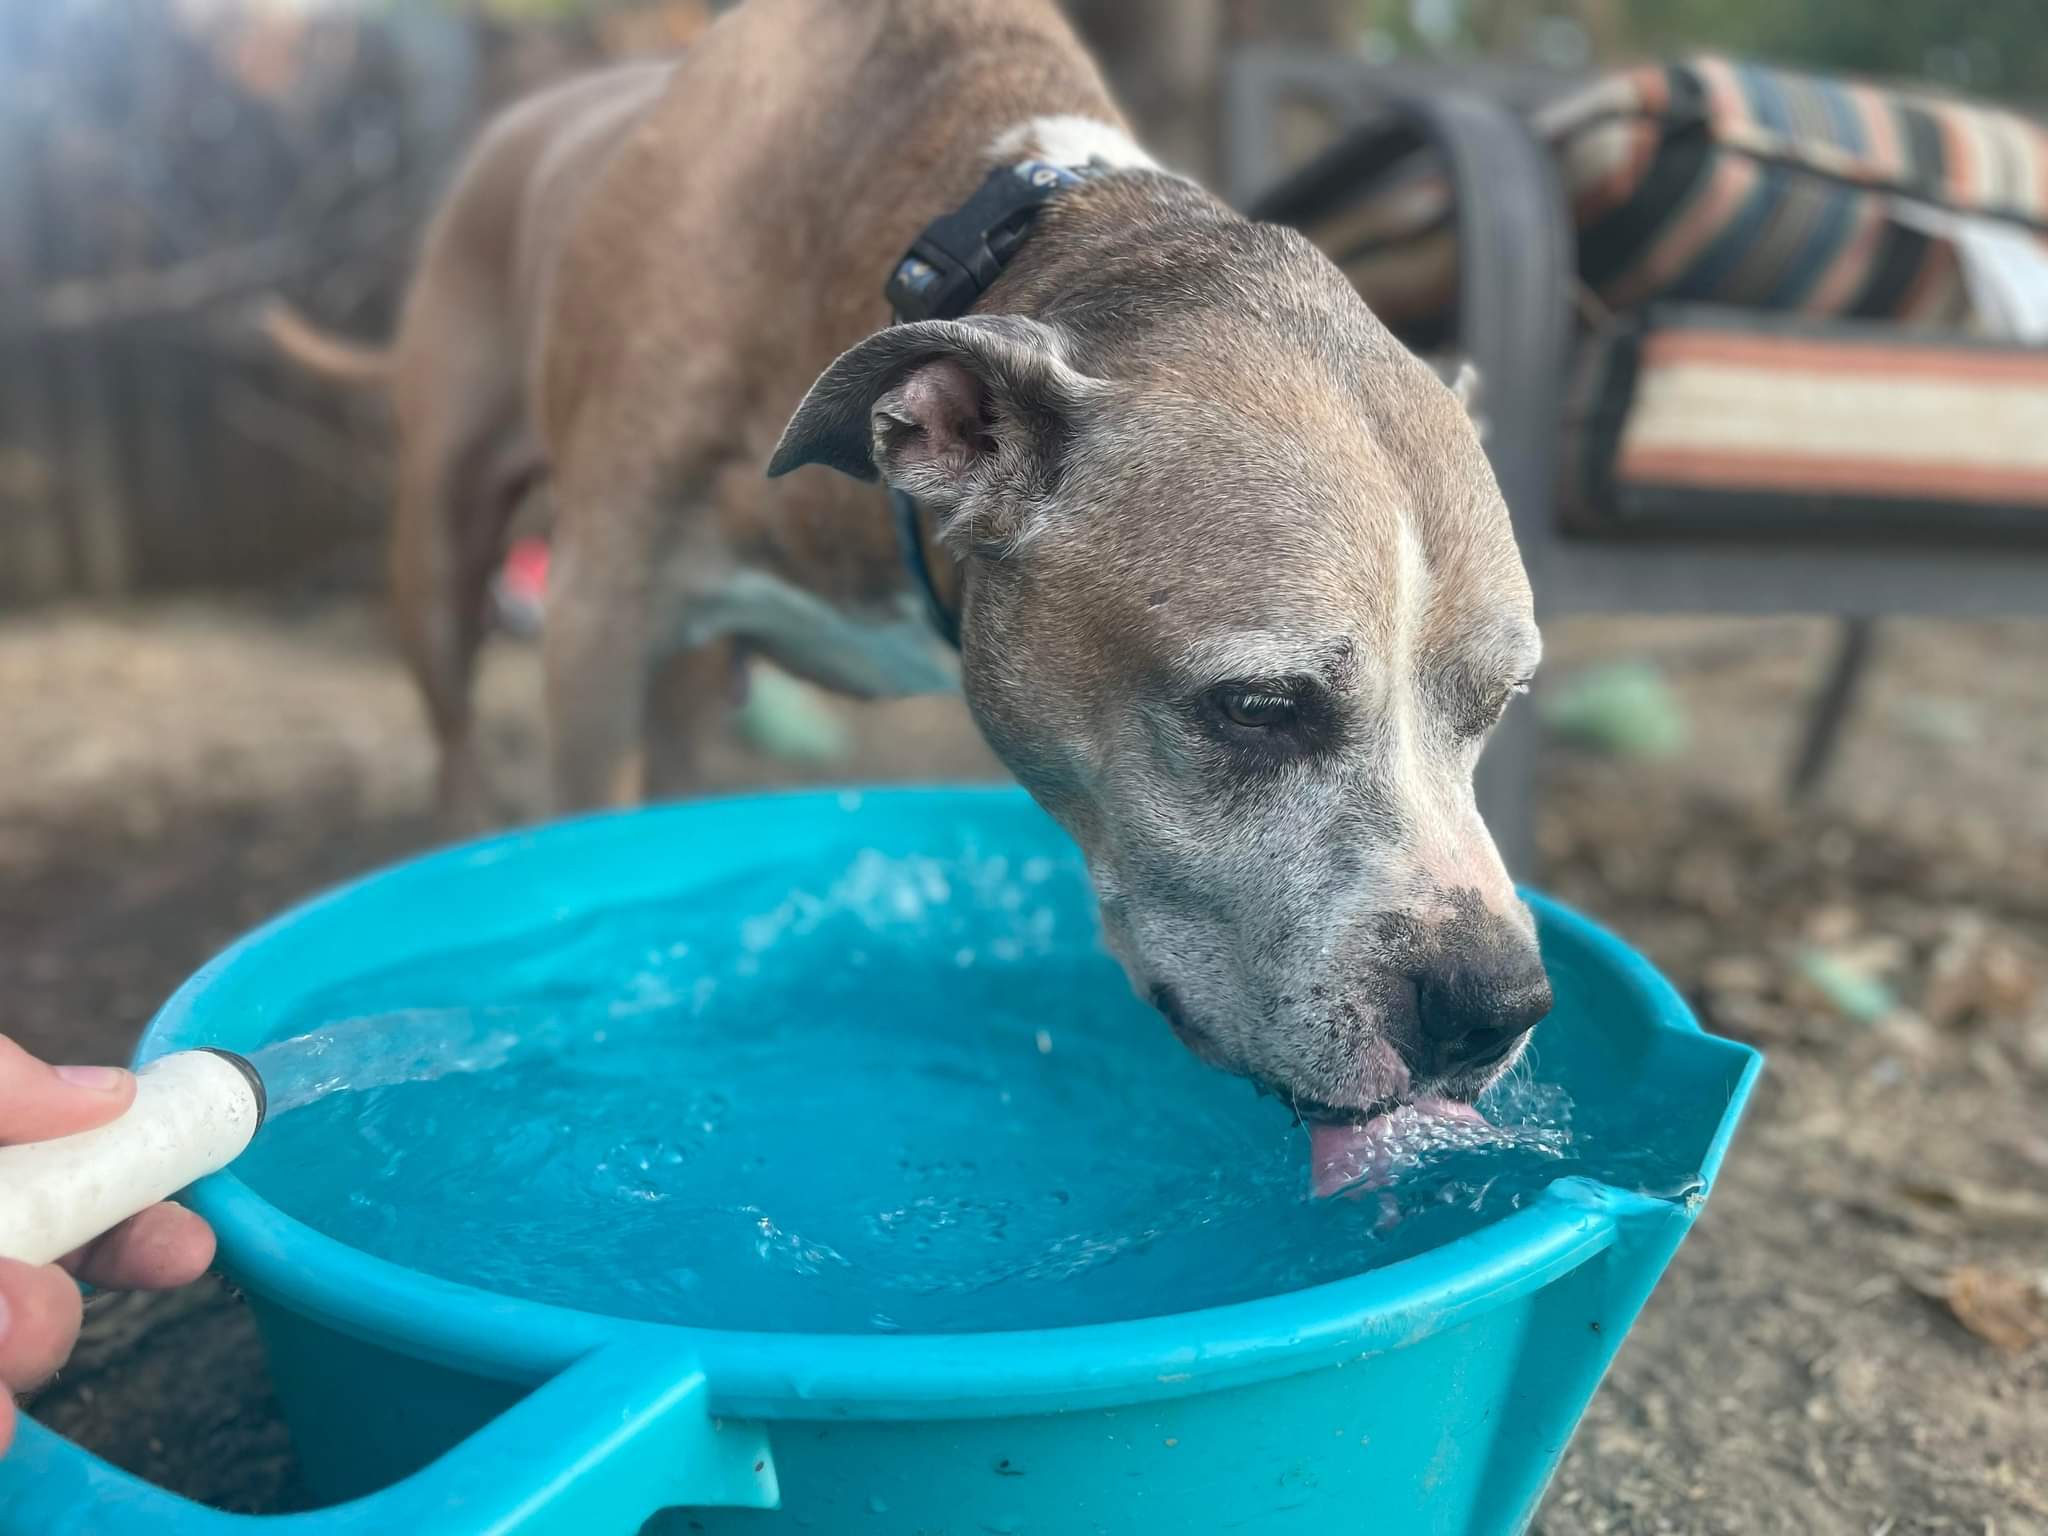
(40, 1307)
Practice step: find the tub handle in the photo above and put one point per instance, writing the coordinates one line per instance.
(596, 1450)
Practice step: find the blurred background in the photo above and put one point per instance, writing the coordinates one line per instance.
(1800, 754)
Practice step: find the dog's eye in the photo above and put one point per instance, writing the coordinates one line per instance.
(1252, 711)
(1262, 722)
(1490, 715)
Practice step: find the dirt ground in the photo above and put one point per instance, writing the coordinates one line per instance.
(1853, 1341)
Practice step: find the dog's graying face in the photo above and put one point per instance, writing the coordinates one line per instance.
(1241, 605)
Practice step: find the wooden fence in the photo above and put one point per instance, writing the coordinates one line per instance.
(162, 169)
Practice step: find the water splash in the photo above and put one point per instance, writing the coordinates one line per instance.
(383, 1050)
(712, 1115)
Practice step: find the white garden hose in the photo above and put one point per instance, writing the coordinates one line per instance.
(193, 1114)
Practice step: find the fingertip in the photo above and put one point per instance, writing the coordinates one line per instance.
(38, 1101)
(189, 1248)
(97, 1079)
(162, 1247)
(40, 1312)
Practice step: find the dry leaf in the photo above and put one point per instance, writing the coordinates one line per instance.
(1981, 1205)
(2028, 1148)
(2008, 1311)
(1978, 973)
(1832, 924)
(1737, 973)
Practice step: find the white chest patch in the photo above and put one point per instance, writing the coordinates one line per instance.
(889, 655)
(1072, 141)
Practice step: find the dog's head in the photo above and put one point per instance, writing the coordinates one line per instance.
(1241, 603)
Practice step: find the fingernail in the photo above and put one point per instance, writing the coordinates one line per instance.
(98, 1079)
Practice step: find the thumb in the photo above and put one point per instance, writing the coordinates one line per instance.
(38, 1101)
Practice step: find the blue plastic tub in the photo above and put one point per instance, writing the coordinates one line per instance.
(1433, 1394)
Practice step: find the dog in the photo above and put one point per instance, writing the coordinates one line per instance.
(1236, 594)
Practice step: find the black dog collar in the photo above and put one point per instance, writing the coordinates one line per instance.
(960, 254)
(951, 264)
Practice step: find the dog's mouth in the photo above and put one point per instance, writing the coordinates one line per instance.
(1190, 1034)
(1349, 1149)
(1366, 1151)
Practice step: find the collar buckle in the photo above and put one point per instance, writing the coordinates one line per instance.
(947, 269)
(959, 255)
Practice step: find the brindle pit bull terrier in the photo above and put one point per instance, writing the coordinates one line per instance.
(1236, 593)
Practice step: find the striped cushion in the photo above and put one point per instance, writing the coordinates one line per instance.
(1721, 421)
(1716, 181)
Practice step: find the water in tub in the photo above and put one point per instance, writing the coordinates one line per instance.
(915, 1098)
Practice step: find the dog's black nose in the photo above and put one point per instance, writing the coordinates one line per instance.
(1470, 1011)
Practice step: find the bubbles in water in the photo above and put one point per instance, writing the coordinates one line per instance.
(714, 1114)
(788, 1250)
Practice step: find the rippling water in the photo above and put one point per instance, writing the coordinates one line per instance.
(916, 1099)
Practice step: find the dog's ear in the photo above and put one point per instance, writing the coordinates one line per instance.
(941, 409)
(1466, 384)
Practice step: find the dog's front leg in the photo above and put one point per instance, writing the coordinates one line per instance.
(688, 696)
(596, 646)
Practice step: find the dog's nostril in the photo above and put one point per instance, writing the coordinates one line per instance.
(1468, 1018)
(1522, 1009)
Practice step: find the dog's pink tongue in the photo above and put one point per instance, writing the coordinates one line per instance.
(1365, 1156)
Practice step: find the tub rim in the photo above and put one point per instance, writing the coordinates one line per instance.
(922, 1376)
